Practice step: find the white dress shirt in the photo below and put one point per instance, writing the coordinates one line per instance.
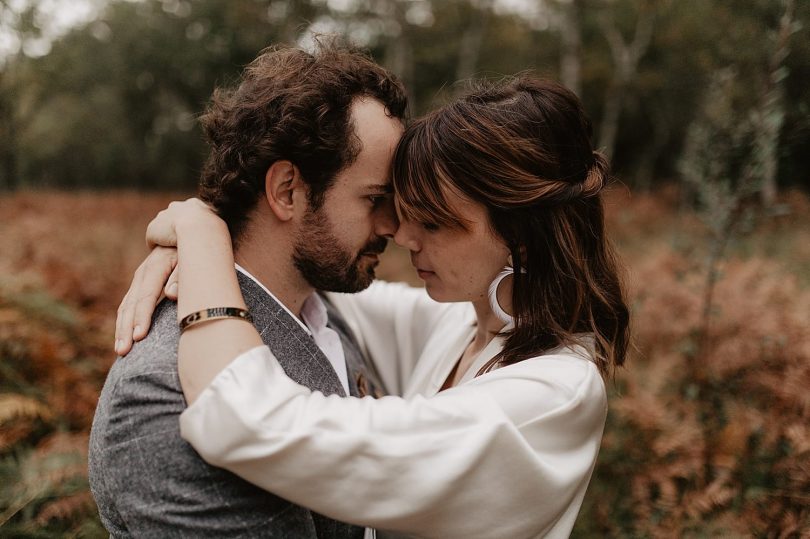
(507, 454)
(313, 320)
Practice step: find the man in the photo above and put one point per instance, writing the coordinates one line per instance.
(298, 168)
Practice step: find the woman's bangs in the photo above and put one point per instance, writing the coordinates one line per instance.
(420, 184)
(419, 198)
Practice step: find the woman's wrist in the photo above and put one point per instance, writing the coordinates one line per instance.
(205, 256)
(200, 221)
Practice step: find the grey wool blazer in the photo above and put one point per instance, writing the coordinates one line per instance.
(148, 482)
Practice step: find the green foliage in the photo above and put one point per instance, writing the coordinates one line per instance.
(114, 103)
(46, 401)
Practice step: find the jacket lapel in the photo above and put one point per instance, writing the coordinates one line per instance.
(294, 348)
(363, 376)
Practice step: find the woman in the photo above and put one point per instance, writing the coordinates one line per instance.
(499, 423)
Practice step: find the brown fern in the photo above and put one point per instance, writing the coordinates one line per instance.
(67, 508)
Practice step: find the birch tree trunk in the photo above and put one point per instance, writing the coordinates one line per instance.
(770, 115)
(626, 57)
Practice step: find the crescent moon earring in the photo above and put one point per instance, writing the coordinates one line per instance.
(502, 315)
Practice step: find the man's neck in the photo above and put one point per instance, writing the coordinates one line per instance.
(277, 273)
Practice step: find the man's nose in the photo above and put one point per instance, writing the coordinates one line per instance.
(386, 222)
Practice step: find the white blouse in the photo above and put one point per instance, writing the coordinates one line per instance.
(507, 454)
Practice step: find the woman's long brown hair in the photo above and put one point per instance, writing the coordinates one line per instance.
(522, 148)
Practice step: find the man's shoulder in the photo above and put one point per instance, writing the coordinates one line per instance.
(143, 386)
(157, 351)
(136, 416)
(147, 480)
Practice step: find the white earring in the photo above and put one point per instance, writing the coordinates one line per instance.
(502, 315)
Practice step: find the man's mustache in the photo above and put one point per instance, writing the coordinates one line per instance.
(375, 247)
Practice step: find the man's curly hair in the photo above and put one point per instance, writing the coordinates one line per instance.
(289, 105)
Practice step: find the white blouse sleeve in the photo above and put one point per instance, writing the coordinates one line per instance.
(505, 455)
(393, 322)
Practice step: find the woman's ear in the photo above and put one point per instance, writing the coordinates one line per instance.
(281, 183)
(510, 260)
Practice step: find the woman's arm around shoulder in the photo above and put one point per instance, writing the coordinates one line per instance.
(508, 454)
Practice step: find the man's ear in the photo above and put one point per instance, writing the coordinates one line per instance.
(282, 188)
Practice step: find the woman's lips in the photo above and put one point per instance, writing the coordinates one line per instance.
(421, 272)
(424, 274)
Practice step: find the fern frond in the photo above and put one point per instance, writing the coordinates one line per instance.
(67, 508)
(14, 406)
(716, 495)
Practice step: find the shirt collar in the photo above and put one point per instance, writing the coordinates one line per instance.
(313, 313)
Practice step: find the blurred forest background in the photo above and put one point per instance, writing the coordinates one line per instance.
(702, 104)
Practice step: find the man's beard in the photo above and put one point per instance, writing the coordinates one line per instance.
(326, 264)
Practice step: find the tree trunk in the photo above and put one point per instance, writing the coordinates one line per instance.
(8, 137)
(399, 53)
(571, 45)
(770, 117)
(472, 39)
(609, 125)
(661, 131)
(626, 57)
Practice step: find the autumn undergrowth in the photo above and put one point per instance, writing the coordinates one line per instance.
(725, 455)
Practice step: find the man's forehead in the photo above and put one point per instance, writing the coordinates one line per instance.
(373, 124)
(377, 135)
(362, 183)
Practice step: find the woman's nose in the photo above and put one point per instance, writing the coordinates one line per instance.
(406, 237)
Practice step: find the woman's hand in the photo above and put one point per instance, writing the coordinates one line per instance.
(194, 213)
(157, 275)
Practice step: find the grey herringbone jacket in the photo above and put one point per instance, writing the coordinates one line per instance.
(148, 482)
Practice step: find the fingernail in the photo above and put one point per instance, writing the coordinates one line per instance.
(118, 346)
(136, 331)
(173, 288)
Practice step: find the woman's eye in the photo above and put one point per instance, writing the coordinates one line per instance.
(430, 227)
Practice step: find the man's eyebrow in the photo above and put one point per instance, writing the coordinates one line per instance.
(382, 188)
